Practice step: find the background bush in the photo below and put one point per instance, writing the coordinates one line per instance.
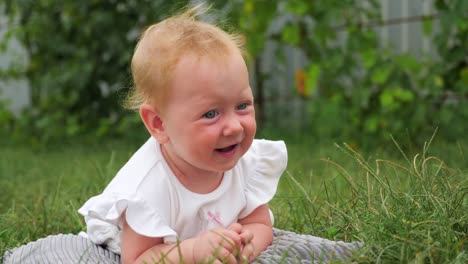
(357, 89)
(79, 63)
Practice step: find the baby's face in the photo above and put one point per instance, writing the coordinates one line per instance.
(210, 115)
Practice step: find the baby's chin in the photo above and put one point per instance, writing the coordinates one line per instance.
(226, 167)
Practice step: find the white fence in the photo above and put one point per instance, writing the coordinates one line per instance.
(401, 30)
(15, 92)
(404, 31)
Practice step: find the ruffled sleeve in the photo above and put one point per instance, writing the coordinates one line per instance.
(103, 218)
(141, 190)
(264, 164)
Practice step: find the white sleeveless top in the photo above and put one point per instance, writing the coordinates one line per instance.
(158, 205)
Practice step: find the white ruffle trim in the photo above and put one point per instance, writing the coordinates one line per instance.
(270, 162)
(103, 219)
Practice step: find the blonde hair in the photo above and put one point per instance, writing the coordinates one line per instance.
(163, 44)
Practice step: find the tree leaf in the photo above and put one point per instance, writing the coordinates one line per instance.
(312, 78)
(372, 123)
(427, 26)
(386, 100)
(297, 7)
(381, 75)
(369, 57)
(290, 34)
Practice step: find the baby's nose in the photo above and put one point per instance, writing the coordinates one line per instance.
(233, 127)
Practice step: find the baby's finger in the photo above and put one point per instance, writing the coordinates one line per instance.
(236, 227)
(233, 237)
(227, 238)
(228, 244)
(246, 236)
(225, 256)
(248, 252)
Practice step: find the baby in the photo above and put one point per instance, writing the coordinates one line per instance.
(198, 189)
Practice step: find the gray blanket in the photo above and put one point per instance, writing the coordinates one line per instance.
(287, 247)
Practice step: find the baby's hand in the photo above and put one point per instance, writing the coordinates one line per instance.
(236, 227)
(218, 245)
(247, 249)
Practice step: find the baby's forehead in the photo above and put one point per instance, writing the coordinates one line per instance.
(163, 45)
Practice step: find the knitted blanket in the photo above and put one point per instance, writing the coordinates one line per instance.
(287, 247)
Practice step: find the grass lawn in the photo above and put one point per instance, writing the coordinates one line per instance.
(405, 205)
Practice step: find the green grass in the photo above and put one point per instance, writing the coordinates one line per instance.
(406, 206)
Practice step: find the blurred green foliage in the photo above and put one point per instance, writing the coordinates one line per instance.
(358, 89)
(361, 89)
(79, 54)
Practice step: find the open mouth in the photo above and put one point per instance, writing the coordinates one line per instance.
(226, 149)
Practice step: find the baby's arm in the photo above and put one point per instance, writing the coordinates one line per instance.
(219, 245)
(257, 232)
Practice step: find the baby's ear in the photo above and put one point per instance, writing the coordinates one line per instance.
(154, 124)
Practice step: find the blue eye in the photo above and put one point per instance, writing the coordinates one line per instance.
(242, 106)
(210, 114)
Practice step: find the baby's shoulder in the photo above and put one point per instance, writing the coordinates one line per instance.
(263, 150)
(144, 168)
(264, 157)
